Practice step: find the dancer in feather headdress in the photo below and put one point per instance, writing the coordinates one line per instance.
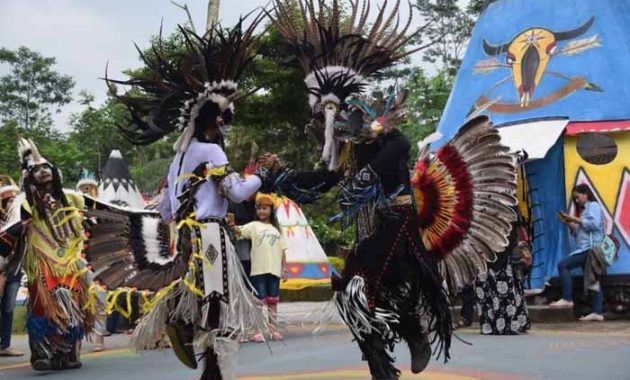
(390, 288)
(87, 184)
(45, 234)
(193, 91)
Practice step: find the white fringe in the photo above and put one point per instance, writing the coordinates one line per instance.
(239, 317)
(70, 307)
(226, 349)
(244, 312)
(323, 317)
(187, 308)
(152, 327)
(355, 312)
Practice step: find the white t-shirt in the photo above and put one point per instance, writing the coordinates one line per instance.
(268, 247)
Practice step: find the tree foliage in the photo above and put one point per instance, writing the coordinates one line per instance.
(449, 27)
(273, 117)
(426, 102)
(31, 89)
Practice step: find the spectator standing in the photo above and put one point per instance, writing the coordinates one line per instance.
(268, 256)
(11, 279)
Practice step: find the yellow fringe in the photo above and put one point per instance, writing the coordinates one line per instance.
(73, 213)
(190, 222)
(214, 172)
(112, 302)
(149, 303)
(71, 268)
(92, 300)
(75, 277)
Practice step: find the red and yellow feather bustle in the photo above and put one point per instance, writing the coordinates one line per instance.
(464, 195)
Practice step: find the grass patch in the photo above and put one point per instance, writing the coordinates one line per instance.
(19, 320)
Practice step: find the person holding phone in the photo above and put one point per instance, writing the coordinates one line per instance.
(587, 227)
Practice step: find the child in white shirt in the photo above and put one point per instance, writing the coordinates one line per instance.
(268, 258)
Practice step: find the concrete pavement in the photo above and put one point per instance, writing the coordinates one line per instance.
(550, 351)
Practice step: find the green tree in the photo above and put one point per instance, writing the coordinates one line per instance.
(450, 27)
(95, 130)
(32, 89)
(475, 7)
(53, 145)
(9, 163)
(275, 116)
(426, 102)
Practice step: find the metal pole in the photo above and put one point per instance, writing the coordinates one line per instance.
(213, 13)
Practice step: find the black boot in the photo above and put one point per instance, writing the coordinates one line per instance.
(41, 365)
(379, 361)
(420, 350)
(181, 337)
(72, 359)
(39, 360)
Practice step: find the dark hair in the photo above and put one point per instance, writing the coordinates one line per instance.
(208, 114)
(585, 189)
(32, 196)
(272, 218)
(582, 189)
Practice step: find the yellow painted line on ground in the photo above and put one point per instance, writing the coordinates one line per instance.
(468, 331)
(88, 355)
(541, 332)
(587, 345)
(357, 374)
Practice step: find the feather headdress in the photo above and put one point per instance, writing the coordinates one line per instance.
(377, 114)
(87, 178)
(337, 53)
(29, 154)
(176, 86)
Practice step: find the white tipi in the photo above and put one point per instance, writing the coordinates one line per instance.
(307, 262)
(116, 185)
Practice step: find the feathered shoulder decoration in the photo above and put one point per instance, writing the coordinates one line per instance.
(465, 196)
(168, 95)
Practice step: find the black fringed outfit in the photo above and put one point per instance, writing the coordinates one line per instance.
(414, 228)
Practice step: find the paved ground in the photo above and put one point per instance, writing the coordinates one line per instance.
(558, 351)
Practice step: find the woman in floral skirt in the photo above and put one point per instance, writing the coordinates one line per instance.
(500, 301)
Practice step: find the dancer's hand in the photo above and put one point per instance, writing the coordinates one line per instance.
(232, 225)
(270, 161)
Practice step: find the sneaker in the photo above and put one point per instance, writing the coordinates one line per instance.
(593, 317)
(11, 352)
(258, 338)
(561, 304)
(276, 336)
(98, 347)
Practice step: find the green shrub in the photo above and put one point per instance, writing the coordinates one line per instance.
(338, 263)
